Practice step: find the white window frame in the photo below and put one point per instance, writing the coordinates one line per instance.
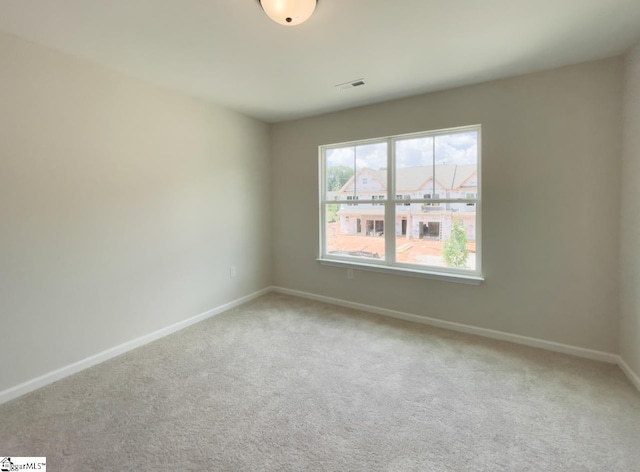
(389, 264)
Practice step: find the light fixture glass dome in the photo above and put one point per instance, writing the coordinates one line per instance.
(289, 12)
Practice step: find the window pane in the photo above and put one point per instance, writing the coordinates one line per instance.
(441, 236)
(456, 159)
(358, 171)
(340, 166)
(457, 148)
(414, 167)
(355, 230)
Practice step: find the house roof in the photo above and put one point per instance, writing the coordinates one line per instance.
(410, 179)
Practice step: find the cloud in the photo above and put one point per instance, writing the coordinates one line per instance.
(455, 148)
(373, 156)
(458, 148)
(414, 152)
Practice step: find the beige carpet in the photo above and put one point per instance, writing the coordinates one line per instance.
(284, 384)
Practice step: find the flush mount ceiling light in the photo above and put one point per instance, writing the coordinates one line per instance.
(289, 12)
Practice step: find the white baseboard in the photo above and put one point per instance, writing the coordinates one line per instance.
(46, 379)
(633, 377)
(487, 333)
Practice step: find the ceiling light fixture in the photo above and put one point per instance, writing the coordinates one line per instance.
(289, 12)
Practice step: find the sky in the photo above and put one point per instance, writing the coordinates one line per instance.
(455, 148)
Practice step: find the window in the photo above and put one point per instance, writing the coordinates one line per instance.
(421, 212)
(471, 196)
(427, 196)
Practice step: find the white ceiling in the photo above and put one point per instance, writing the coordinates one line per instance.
(230, 52)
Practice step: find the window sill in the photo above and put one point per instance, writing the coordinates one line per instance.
(425, 274)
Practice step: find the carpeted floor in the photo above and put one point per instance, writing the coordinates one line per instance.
(285, 384)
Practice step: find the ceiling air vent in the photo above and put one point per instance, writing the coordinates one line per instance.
(350, 85)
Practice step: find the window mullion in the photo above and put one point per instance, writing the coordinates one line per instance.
(390, 206)
(322, 169)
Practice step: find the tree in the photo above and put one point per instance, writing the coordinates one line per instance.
(332, 210)
(455, 248)
(337, 176)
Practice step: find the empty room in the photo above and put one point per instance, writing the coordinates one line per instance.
(320, 235)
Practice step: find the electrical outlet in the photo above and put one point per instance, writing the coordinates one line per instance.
(232, 271)
(349, 273)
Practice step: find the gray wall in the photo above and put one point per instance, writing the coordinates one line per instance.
(122, 207)
(551, 170)
(630, 221)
